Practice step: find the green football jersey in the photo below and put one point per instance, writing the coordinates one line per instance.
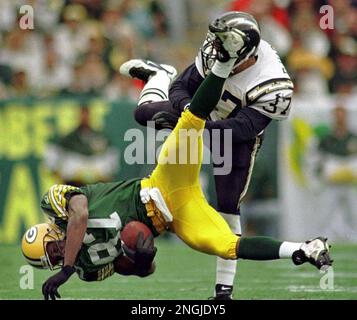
(111, 206)
(340, 146)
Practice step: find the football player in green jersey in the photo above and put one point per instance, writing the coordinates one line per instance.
(171, 199)
(89, 216)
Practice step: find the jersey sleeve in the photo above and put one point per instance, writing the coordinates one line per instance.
(184, 87)
(55, 202)
(245, 125)
(272, 98)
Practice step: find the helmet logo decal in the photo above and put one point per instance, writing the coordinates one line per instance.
(31, 235)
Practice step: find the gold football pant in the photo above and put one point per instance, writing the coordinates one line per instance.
(177, 176)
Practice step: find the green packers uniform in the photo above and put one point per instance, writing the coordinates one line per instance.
(111, 206)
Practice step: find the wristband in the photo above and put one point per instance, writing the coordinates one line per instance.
(223, 69)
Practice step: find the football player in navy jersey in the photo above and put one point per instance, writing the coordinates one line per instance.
(258, 91)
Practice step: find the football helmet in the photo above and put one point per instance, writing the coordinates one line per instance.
(242, 21)
(34, 243)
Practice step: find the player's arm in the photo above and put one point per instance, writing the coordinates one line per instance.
(69, 205)
(184, 87)
(121, 265)
(58, 204)
(246, 125)
(76, 227)
(126, 267)
(264, 105)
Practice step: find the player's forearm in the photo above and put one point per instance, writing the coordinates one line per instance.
(179, 95)
(76, 228)
(207, 96)
(245, 126)
(183, 88)
(209, 92)
(126, 267)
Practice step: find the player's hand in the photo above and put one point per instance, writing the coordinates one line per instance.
(50, 287)
(165, 120)
(144, 253)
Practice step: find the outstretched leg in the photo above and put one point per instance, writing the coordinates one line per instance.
(194, 220)
(230, 190)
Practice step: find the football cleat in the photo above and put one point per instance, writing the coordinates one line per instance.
(223, 292)
(144, 69)
(315, 251)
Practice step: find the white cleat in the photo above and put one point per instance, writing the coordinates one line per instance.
(315, 251)
(144, 69)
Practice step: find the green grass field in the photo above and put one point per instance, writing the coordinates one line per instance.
(185, 274)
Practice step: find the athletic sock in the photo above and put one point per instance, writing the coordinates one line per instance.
(258, 248)
(226, 269)
(288, 248)
(265, 248)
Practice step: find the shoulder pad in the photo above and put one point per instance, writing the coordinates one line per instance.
(56, 199)
(267, 87)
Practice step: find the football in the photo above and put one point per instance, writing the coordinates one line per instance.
(131, 231)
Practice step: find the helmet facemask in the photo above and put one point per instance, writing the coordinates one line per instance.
(53, 236)
(243, 22)
(35, 246)
(209, 53)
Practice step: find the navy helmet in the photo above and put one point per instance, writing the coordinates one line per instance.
(234, 19)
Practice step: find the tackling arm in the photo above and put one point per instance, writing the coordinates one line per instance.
(246, 125)
(184, 87)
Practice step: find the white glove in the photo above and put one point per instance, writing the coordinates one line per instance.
(232, 41)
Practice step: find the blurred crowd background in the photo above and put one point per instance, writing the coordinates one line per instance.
(78, 45)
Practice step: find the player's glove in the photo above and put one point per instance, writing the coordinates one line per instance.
(230, 42)
(144, 253)
(50, 287)
(165, 120)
